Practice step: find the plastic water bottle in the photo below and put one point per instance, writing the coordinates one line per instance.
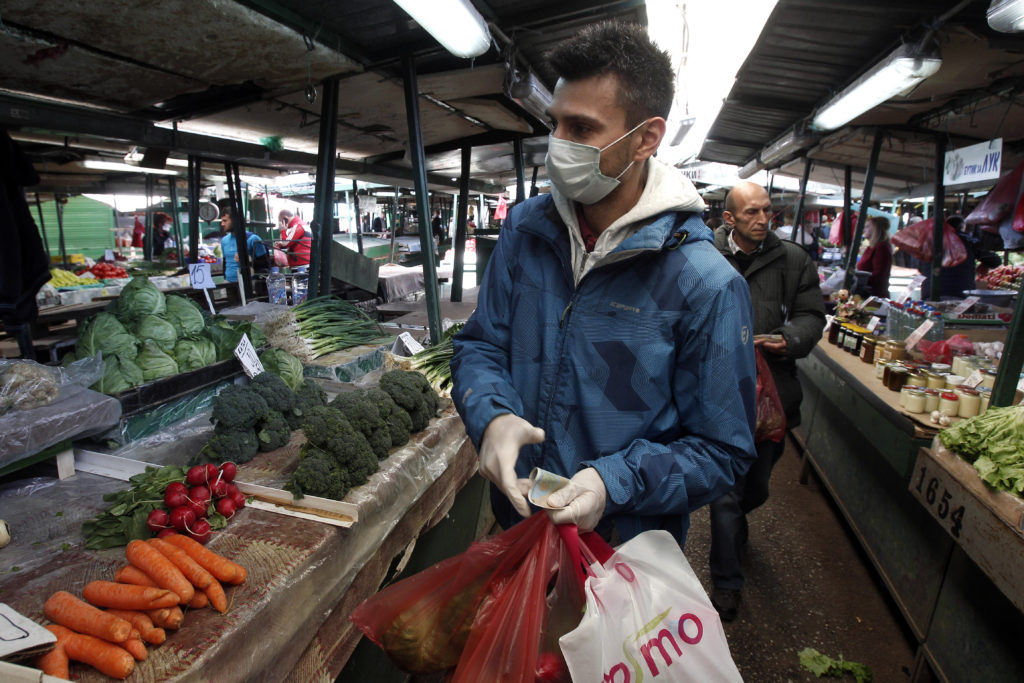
(300, 285)
(277, 287)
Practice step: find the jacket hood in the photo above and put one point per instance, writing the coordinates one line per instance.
(666, 189)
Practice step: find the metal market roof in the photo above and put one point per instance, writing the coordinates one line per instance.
(811, 49)
(88, 80)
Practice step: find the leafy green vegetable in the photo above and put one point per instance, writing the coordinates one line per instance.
(192, 354)
(994, 442)
(823, 665)
(140, 297)
(226, 335)
(125, 519)
(104, 332)
(284, 365)
(186, 317)
(119, 374)
(154, 363)
(155, 328)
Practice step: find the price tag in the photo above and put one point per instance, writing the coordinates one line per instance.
(873, 323)
(964, 306)
(108, 255)
(974, 379)
(247, 355)
(909, 291)
(200, 277)
(411, 345)
(864, 304)
(918, 334)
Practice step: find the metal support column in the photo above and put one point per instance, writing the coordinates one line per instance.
(60, 228)
(147, 240)
(194, 168)
(798, 225)
(517, 149)
(238, 228)
(1010, 364)
(939, 212)
(322, 224)
(460, 225)
(419, 172)
(394, 222)
(533, 183)
(865, 202)
(42, 226)
(359, 217)
(845, 232)
(172, 185)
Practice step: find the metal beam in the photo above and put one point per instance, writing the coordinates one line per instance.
(412, 116)
(322, 225)
(238, 228)
(517, 150)
(799, 224)
(460, 225)
(194, 175)
(359, 218)
(865, 202)
(939, 216)
(172, 186)
(1004, 390)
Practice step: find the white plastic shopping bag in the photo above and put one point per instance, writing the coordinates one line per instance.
(648, 619)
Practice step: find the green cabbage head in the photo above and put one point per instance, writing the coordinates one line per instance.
(284, 365)
(104, 332)
(119, 374)
(155, 364)
(154, 328)
(192, 354)
(186, 317)
(140, 297)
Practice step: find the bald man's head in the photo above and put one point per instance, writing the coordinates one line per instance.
(748, 212)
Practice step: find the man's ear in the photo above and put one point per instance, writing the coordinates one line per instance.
(728, 218)
(650, 138)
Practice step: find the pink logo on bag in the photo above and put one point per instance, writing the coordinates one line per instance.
(621, 673)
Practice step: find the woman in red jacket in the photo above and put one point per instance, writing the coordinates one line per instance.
(296, 239)
(877, 258)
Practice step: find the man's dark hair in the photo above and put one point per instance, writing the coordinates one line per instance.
(644, 72)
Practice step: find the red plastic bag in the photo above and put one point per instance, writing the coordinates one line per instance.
(998, 203)
(943, 351)
(917, 239)
(487, 612)
(771, 418)
(1018, 215)
(835, 233)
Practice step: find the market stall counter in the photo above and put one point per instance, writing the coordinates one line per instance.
(289, 619)
(865, 449)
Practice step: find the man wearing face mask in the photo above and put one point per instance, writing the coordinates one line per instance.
(611, 343)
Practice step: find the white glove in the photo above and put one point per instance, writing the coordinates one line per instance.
(503, 438)
(581, 501)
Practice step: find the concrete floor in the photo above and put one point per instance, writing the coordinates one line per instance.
(807, 585)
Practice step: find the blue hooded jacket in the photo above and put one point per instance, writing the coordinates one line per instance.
(644, 370)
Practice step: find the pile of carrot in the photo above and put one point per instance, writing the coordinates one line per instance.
(111, 627)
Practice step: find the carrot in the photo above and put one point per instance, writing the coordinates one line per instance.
(143, 624)
(221, 567)
(109, 659)
(168, 617)
(55, 662)
(127, 596)
(67, 610)
(132, 574)
(199, 577)
(136, 648)
(218, 600)
(200, 600)
(160, 569)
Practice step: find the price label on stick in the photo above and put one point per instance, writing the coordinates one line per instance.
(411, 345)
(108, 255)
(975, 379)
(200, 277)
(873, 323)
(246, 354)
(964, 306)
(915, 282)
(918, 334)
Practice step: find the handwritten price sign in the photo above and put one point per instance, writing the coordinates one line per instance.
(246, 354)
(200, 277)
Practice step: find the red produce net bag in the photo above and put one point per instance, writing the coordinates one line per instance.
(916, 239)
(998, 203)
(771, 418)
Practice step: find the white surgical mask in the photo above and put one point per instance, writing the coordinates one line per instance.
(575, 169)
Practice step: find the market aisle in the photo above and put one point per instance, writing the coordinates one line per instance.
(807, 585)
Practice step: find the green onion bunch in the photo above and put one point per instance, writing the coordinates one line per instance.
(434, 361)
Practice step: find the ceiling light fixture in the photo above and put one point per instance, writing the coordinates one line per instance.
(454, 23)
(97, 165)
(1006, 16)
(530, 94)
(785, 146)
(906, 67)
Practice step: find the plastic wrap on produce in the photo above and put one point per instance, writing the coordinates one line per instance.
(260, 312)
(298, 570)
(348, 365)
(165, 282)
(77, 412)
(163, 418)
(83, 296)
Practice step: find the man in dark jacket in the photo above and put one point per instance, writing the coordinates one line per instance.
(789, 316)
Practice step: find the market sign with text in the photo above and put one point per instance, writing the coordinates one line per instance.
(972, 164)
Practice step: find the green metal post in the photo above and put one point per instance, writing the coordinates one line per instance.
(517, 148)
(865, 201)
(939, 214)
(460, 225)
(1012, 361)
(323, 202)
(799, 218)
(193, 208)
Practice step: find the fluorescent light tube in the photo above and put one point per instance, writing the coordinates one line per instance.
(784, 146)
(531, 95)
(454, 23)
(127, 168)
(898, 72)
(1006, 16)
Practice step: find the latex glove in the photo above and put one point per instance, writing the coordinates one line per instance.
(503, 438)
(581, 501)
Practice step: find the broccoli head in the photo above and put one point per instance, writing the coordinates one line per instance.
(362, 413)
(309, 395)
(397, 420)
(327, 429)
(412, 392)
(236, 445)
(273, 432)
(238, 407)
(274, 391)
(318, 474)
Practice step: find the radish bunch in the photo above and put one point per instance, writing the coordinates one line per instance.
(206, 493)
